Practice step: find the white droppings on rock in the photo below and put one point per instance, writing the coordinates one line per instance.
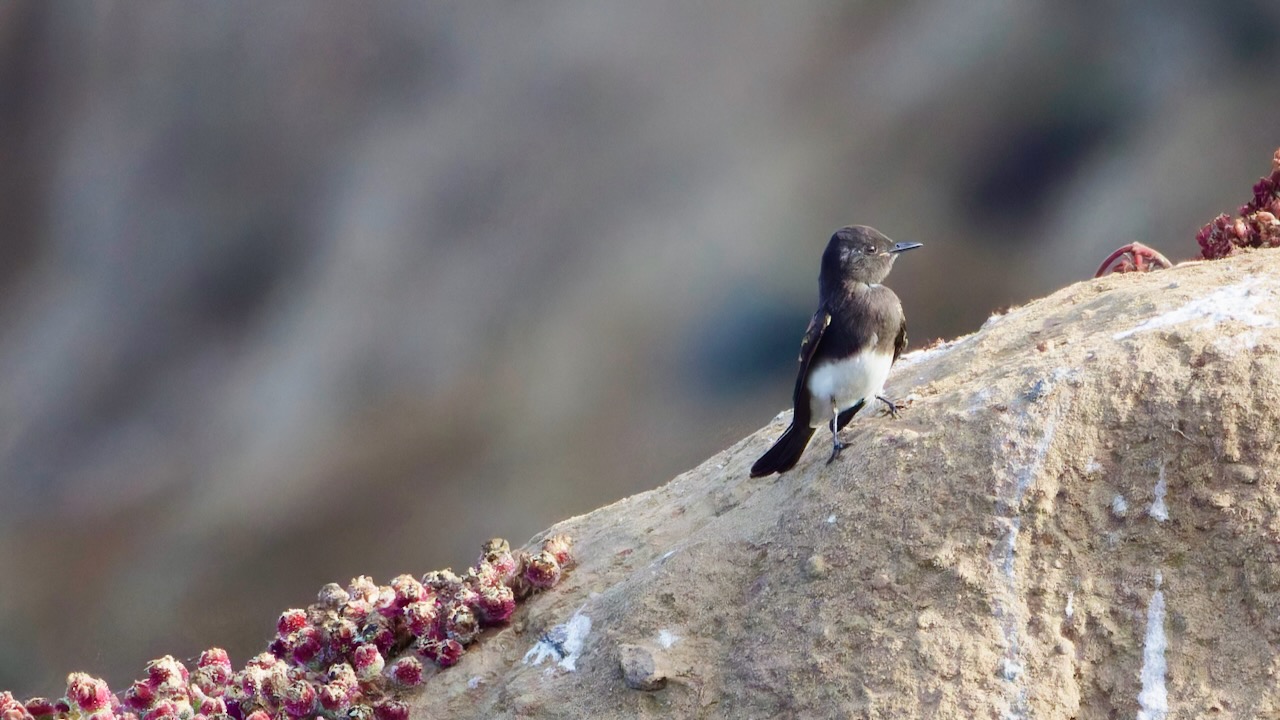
(980, 400)
(1153, 700)
(1229, 344)
(1092, 467)
(1159, 510)
(1071, 375)
(666, 638)
(475, 682)
(831, 519)
(1010, 670)
(563, 643)
(1119, 506)
(1017, 465)
(1071, 607)
(1238, 302)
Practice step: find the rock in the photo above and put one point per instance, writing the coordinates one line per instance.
(816, 567)
(640, 668)
(1243, 474)
(980, 569)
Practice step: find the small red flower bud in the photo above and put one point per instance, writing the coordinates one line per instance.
(263, 661)
(449, 653)
(444, 582)
(275, 683)
(300, 699)
(279, 648)
(9, 702)
(357, 611)
(495, 605)
(482, 576)
(213, 706)
(167, 676)
(162, 710)
(420, 616)
(87, 693)
(213, 671)
(11, 709)
(367, 661)
(140, 695)
(334, 698)
(40, 707)
(407, 671)
(385, 604)
(461, 624)
(407, 590)
(341, 673)
(214, 657)
(561, 546)
(332, 596)
(306, 645)
(380, 633)
(363, 588)
(291, 621)
(543, 571)
(391, 710)
(344, 635)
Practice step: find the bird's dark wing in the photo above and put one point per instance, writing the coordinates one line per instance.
(900, 343)
(808, 346)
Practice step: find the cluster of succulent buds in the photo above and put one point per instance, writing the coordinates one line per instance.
(1257, 224)
(348, 655)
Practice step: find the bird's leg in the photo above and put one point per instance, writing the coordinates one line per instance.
(836, 447)
(892, 406)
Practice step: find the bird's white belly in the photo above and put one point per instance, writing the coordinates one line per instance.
(843, 383)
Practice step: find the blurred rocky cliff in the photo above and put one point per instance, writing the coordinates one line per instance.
(296, 291)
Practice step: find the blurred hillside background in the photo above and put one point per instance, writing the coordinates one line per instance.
(296, 291)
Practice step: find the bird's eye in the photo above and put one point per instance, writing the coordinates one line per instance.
(869, 249)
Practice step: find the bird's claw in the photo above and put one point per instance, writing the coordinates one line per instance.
(835, 452)
(892, 406)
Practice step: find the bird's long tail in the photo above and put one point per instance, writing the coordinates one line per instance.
(785, 453)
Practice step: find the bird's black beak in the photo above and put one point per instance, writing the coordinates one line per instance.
(903, 247)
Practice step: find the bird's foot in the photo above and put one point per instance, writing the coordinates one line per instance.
(892, 406)
(836, 447)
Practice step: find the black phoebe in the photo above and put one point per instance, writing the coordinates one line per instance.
(853, 339)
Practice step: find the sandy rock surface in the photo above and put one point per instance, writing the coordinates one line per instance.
(1077, 516)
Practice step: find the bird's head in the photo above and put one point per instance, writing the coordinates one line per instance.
(859, 254)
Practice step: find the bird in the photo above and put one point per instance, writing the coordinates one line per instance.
(853, 339)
